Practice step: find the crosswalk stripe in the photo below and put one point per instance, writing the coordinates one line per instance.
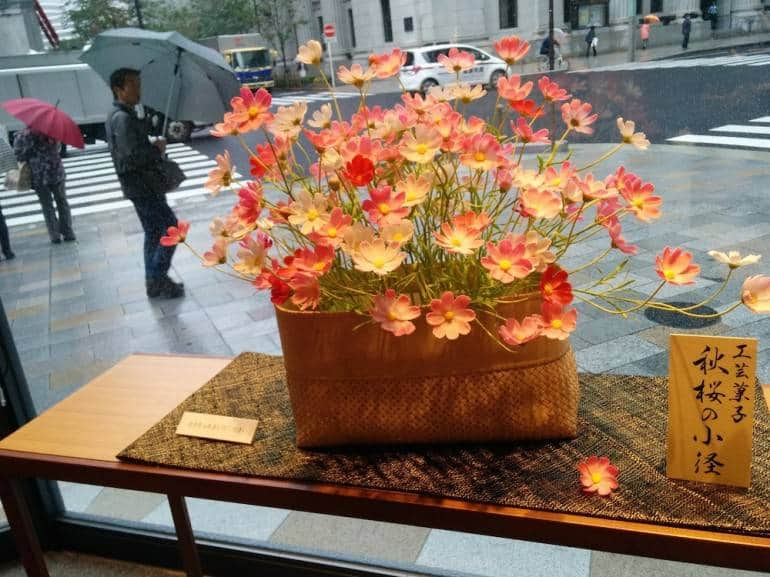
(72, 170)
(740, 128)
(729, 60)
(94, 163)
(291, 98)
(723, 140)
(79, 159)
(765, 119)
(111, 170)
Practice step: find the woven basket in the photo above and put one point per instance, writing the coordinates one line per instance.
(359, 385)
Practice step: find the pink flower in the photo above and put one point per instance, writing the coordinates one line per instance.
(481, 152)
(551, 91)
(176, 234)
(598, 475)
(643, 203)
(317, 261)
(618, 241)
(511, 49)
(450, 317)
(387, 65)
(505, 261)
(385, 206)
(512, 90)
(459, 237)
(675, 266)
(217, 255)
(253, 253)
(523, 130)
(228, 127)
(755, 293)
(456, 61)
(395, 314)
(221, 176)
(540, 203)
(249, 206)
(331, 233)
(307, 292)
(355, 75)
(516, 333)
(577, 116)
(594, 188)
(558, 323)
(251, 109)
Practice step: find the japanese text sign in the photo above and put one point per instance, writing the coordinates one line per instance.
(217, 427)
(711, 393)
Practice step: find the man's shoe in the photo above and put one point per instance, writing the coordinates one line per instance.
(9, 255)
(164, 289)
(55, 241)
(168, 280)
(70, 238)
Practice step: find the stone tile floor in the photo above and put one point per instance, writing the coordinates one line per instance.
(77, 309)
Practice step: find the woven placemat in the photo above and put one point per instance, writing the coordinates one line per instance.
(623, 417)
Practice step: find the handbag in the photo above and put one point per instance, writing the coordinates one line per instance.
(19, 178)
(171, 176)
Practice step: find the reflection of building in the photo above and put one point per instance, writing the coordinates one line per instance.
(364, 26)
(19, 29)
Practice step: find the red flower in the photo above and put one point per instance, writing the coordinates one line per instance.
(527, 108)
(359, 171)
(176, 234)
(555, 288)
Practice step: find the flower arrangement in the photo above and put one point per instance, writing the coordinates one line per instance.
(423, 212)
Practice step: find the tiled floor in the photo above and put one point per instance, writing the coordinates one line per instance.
(77, 309)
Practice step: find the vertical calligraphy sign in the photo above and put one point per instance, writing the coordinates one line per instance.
(711, 389)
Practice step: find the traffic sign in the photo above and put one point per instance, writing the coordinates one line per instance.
(329, 31)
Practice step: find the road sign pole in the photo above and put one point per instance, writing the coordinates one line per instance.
(331, 61)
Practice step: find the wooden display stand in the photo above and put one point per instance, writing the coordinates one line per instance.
(77, 440)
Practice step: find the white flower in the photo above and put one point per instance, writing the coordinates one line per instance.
(733, 258)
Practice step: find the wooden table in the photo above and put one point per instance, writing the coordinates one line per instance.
(77, 441)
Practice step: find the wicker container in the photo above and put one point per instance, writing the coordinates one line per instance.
(359, 385)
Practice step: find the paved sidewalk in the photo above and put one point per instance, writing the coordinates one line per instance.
(76, 309)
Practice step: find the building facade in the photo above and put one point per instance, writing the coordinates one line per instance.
(365, 26)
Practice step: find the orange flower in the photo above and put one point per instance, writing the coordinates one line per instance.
(355, 75)
(755, 293)
(511, 49)
(458, 237)
(535, 249)
(675, 266)
(512, 90)
(551, 91)
(307, 291)
(415, 189)
(221, 176)
(540, 203)
(311, 53)
(637, 139)
(332, 231)
(456, 61)
(523, 130)
(516, 333)
(558, 323)
(251, 109)
(176, 234)
(217, 255)
(617, 239)
(422, 146)
(481, 152)
(505, 261)
(643, 203)
(450, 317)
(598, 475)
(228, 127)
(387, 65)
(253, 254)
(577, 116)
(249, 205)
(395, 314)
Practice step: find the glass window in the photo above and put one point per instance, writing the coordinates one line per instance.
(408, 24)
(387, 22)
(251, 59)
(593, 13)
(656, 6)
(352, 28)
(409, 59)
(508, 13)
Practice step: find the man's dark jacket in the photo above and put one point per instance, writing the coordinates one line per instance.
(136, 159)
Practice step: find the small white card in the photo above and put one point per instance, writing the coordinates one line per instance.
(217, 427)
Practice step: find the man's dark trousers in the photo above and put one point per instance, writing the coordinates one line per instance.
(156, 216)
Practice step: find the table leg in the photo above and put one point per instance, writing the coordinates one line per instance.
(20, 521)
(184, 535)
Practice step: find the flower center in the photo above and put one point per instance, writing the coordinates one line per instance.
(548, 289)
(398, 237)
(383, 208)
(253, 112)
(596, 477)
(638, 202)
(556, 323)
(378, 262)
(449, 315)
(319, 266)
(312, 214)
(392, 316)
(574, 122)
(410, 196)
(505, 264)
(456, 241)
(331, 232)
(421, 148)
(669, 274)
(226, 179)
(479, 157)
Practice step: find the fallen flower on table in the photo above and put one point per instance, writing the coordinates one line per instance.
(598, 475)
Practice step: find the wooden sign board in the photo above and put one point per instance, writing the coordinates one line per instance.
(217, 427)
(711, 389)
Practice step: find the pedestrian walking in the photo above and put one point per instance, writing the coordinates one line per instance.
(713, 14)
(644, 33)
(686, 27)
(7, 162)
(138, 166)
(592, 41)
(41, 153)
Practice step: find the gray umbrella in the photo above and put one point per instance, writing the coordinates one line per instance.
(186, 80)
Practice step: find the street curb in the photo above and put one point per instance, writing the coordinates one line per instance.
(684, 55)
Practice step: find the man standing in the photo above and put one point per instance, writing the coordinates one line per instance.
(686, 26)
(137, 166)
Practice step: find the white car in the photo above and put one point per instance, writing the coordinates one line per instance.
(422, 70)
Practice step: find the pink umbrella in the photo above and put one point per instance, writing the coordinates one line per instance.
(46, 119)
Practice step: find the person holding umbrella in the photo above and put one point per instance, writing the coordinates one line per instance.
(7, 162)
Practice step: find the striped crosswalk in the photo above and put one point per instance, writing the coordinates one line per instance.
(287, 98)
(753, 60)
(754, 135)
(92, 185)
